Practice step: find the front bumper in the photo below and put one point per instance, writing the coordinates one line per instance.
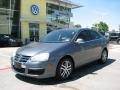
(34, 69)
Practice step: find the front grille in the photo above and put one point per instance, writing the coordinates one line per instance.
(22, 58)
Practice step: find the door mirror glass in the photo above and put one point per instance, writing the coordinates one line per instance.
(79, 40)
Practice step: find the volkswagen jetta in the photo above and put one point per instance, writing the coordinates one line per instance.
(59, 53)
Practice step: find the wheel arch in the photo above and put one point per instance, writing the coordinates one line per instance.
(62, 59)
(67, 56)
(105, 48)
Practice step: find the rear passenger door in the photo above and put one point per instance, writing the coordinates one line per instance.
(96, 44)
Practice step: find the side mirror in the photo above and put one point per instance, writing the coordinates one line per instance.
(79, 40)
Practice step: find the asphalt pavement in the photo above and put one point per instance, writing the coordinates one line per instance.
(90, 77)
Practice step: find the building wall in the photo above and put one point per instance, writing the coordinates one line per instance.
(27, 17)
(18, 24)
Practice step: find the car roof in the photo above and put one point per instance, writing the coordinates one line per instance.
(75, 29)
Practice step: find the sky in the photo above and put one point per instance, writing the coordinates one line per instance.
(94, 11)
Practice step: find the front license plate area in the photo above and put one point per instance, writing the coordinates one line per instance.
(17, 65)
(23, 66)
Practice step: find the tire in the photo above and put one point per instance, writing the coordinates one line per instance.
(64, 69)
(104, 56)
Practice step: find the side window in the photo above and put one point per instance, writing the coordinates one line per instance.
(95, 35)
(85, 35)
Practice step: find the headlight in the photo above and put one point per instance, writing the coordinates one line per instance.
(12, 40)
(40, 57)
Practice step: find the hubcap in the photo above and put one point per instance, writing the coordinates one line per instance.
(104, 56)
(65, 69)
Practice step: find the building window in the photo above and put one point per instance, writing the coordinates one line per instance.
(5, 4)
(34, 31)
(58, 15)
(9, 17)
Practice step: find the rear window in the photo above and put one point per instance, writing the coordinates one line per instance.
(95, 35)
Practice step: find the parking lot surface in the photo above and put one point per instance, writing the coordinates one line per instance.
(91, 77)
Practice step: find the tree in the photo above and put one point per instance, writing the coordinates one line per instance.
(78, 26)
(101, 26)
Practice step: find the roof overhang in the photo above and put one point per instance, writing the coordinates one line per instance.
(65, 3)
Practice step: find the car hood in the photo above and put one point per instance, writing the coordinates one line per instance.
(36, 48)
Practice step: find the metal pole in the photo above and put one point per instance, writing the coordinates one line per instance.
(70, 16)
(9, 18)
(59, 14)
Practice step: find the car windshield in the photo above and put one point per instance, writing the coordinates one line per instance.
(59, 36)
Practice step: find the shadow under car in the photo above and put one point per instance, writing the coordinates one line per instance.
(77, 74)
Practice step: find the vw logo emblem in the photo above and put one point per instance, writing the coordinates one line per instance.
(35, 9)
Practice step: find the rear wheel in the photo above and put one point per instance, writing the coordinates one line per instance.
(104, 56)
(64, 69)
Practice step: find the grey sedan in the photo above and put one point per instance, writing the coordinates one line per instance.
(59, 53)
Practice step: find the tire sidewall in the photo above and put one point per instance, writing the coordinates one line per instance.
(101, 60)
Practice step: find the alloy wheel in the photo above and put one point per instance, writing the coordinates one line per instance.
(104, 56)
(65, 69)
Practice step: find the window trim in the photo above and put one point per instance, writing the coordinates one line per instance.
(84, 41)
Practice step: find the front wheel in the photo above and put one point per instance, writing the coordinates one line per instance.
(104, 56)
(64, 69)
